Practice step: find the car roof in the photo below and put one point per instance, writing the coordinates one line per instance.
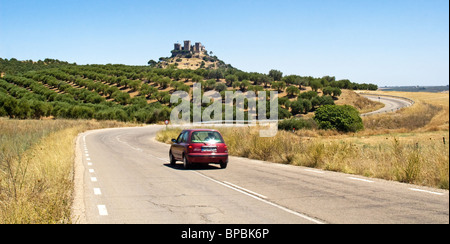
(201, 130)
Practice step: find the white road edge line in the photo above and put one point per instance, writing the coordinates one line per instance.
(246, 190)
(102, 210)
(431, 192)
(354, 178)
(314, 171)
(94, 179)
(262, 200)
(97, 191)
(91, 171)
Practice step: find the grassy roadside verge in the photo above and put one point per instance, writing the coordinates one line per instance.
(36, 166)
(418, 158)
(410, 145)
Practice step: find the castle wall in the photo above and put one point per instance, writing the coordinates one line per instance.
(188, 48)
(187, 45)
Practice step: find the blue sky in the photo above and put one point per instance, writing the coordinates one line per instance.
(386, 42)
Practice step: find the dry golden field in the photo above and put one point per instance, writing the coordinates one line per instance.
(434, 107)
(36, 164)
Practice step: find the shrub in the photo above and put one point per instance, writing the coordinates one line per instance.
(290, 124)
(343, 118)
(308, 95)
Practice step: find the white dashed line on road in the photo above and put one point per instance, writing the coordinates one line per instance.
(97, 191)
(102, 210)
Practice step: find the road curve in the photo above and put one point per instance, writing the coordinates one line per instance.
(123, 176)
(391, 104)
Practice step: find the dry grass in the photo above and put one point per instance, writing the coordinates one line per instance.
(36, 163)
(364, 105)
(418, 158)
(434, 107)
(410, 145)
(417, 117)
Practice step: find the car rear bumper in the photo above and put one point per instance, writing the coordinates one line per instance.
(208, 158)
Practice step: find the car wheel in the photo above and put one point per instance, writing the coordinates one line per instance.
(223, 165)
(172, 159)
(186, 163)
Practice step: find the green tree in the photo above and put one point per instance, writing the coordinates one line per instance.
(296, 107)
(164, 82)
(279, 85)
(308, 95)
(266, 79)
(292, 91)
(163, 97)
(244, 85)
(307, 105)
(327, 90)
(24, 110)
(135, 85)
(229, 79)
(210, 84)
(276, 74)
(197, 78)
(122, 98)
(336, 92)
(215, 74)
(220, 87)
(343, 118)
(315, 85)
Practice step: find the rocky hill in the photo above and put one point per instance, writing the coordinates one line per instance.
(190, 57)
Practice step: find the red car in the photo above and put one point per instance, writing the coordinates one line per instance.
(199, 146)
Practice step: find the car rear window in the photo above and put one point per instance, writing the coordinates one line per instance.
(206, 136)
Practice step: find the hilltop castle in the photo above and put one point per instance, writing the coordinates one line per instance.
(187, 48)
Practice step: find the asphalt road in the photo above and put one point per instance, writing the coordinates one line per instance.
(391, 104)
(123, 176)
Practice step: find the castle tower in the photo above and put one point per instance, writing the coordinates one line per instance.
(187, 45)
(177, 46)
(198, 47)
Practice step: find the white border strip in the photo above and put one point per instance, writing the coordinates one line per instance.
(431, 192)
(354, 178)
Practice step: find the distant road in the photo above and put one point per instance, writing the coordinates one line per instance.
(391, 104)
(124, 176)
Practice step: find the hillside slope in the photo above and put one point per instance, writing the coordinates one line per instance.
(57, 89)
